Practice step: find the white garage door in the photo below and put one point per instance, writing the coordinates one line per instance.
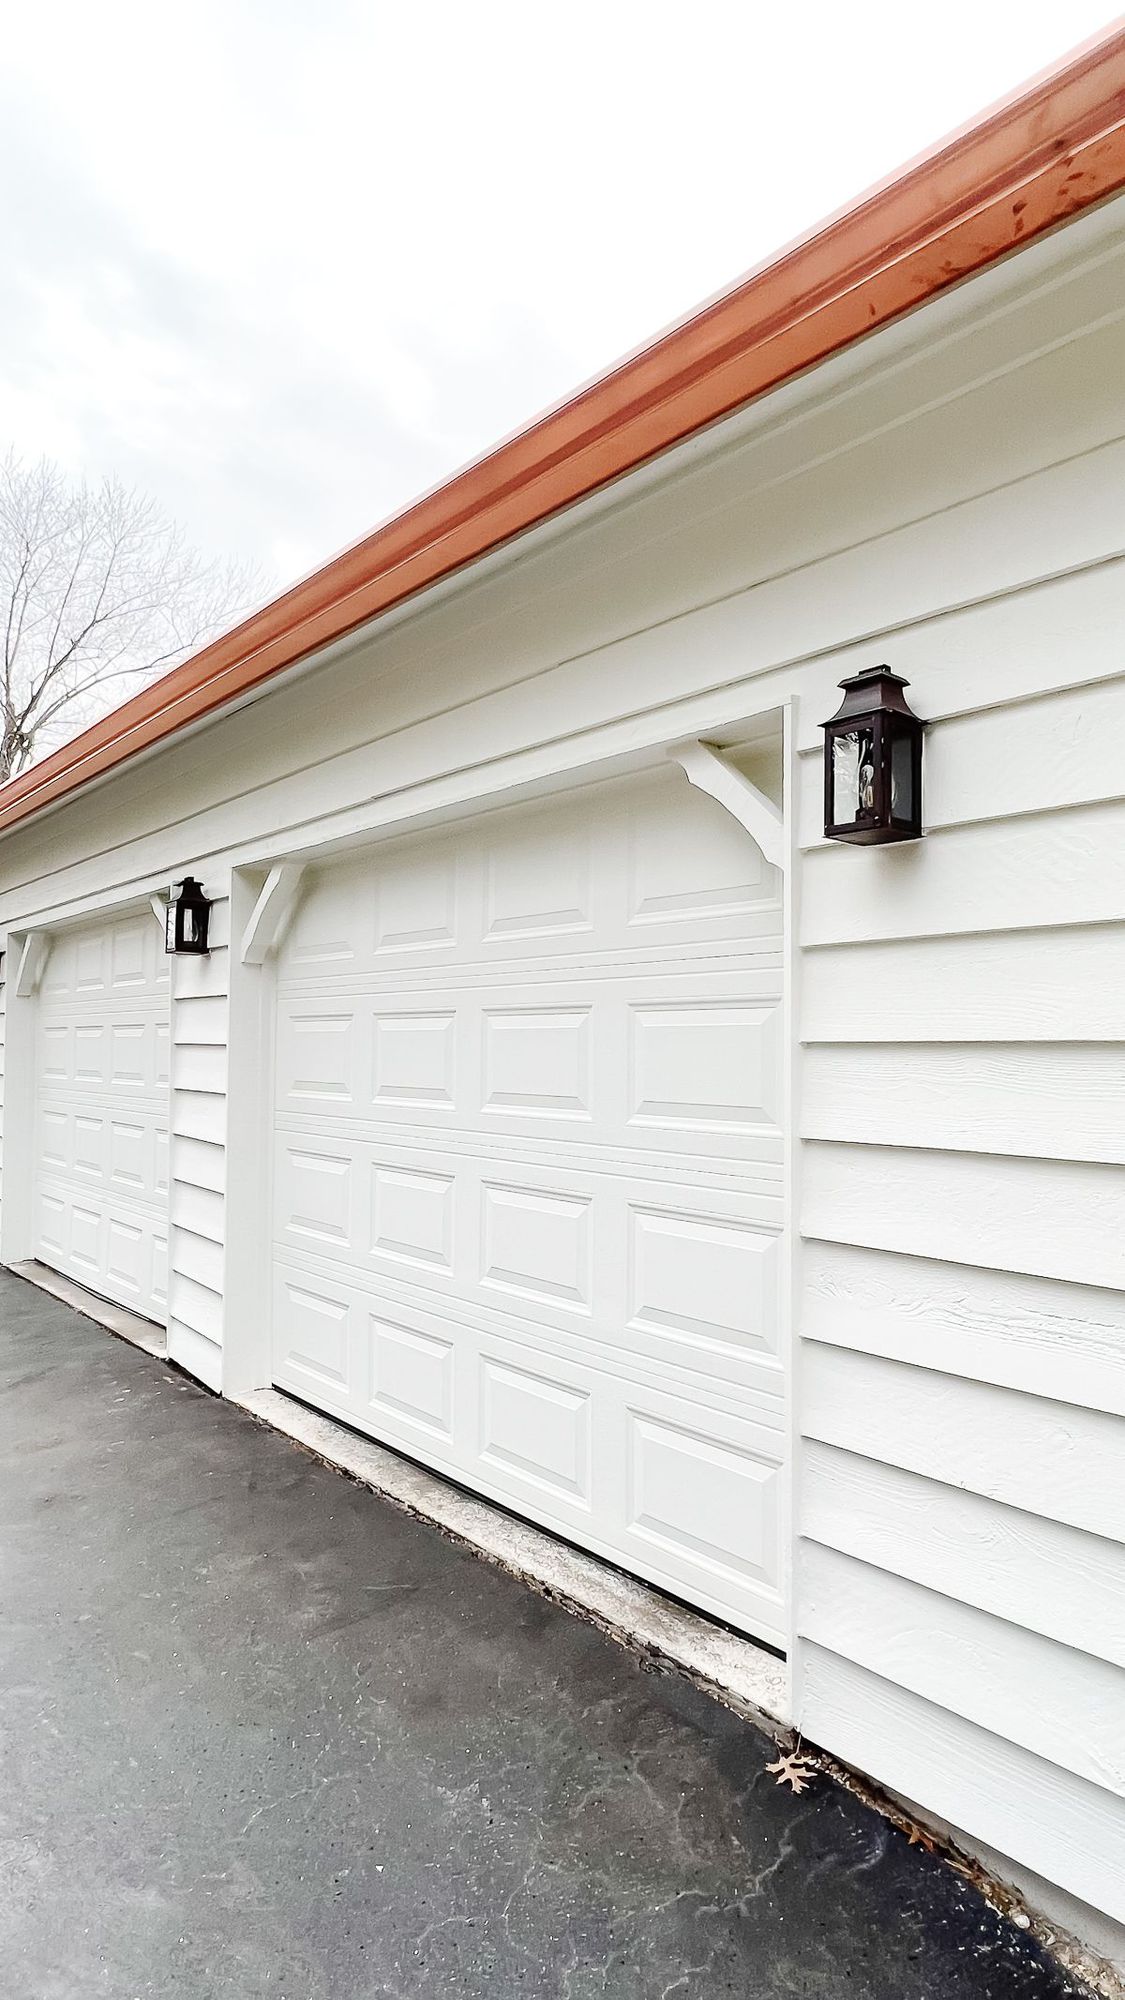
(101, 1141)
(528, 1177)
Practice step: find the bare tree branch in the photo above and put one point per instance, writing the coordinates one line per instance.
(97, 591)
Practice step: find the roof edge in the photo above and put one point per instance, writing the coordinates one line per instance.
(1042, 156)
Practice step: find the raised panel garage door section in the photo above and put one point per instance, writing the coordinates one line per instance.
(101, 1119)
(528, 1177)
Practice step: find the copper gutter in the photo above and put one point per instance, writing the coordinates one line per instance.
(1045, 154)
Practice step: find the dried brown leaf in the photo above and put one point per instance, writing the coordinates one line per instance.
(793, 1769)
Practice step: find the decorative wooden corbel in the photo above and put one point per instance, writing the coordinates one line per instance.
(710, 772)
(33, 963)
(271, 913)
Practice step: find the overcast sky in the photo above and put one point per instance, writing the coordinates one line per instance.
(286, 263)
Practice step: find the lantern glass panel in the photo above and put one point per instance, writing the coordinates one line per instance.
(853, 775)
(902, 776)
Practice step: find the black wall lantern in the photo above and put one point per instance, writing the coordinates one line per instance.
(873, 762)
(185, 926)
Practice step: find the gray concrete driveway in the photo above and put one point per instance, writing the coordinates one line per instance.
(266, 1738)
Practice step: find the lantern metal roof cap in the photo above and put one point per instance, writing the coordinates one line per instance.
(877, 690)
(189, 889)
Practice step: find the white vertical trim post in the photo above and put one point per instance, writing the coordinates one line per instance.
(247, 1288)
(790, 1125)
(17, 1211)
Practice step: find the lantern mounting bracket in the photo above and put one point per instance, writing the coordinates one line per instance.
(704, 768)
(271, 912)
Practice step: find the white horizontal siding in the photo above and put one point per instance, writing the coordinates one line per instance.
(1046, 1456)
(1068, 1830)
(199, 1023)
(199, 1258)
(196, 1306)
(198, 1114)
(1015, 985)
(200, 1067)
(1018, 1565)
(967, 660)
(1040, 1099)
(197, 1164)
(1063, 869)
(200, 1356)
(995, 1672)
(1054, 1218)
(1021, 1332)
(200, 1210)
(961, 1572)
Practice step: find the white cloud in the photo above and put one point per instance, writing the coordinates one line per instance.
(285, 268)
